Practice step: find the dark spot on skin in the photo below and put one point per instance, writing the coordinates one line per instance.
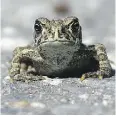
(26, 60)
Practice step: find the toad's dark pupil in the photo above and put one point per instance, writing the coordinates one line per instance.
(75, 27)
(38, 27)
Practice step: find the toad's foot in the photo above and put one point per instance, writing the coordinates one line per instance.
(26, 67)
(22, 62)
(28, 77)
(105, 69)
(97, 74)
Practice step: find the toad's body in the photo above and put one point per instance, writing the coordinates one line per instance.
(59, 51)
(58, 58)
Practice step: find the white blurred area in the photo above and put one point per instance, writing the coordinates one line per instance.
(18, 16)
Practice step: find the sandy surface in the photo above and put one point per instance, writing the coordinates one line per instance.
(59, 96)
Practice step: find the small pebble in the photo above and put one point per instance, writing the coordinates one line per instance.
(63, 100)
(53, 81)
(37, 104)
(95, 104)
(105, 103)
(19, 104)
(72, 102)
(83, 97)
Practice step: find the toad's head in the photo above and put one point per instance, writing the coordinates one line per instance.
(63, 31)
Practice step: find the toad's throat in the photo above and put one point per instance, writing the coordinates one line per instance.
(57, 55)
(54, 48)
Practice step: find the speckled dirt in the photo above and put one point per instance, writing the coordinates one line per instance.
(59, 96)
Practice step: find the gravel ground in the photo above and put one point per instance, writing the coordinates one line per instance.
(59, 96)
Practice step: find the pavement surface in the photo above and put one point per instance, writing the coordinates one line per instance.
(59, 97)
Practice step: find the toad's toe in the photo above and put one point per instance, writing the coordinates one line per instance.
(100, 77)
(23, 68)
(83, 77)
(31, 70)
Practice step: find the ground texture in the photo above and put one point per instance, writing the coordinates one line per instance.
(59, 96)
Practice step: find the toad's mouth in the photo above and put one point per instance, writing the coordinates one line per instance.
(69, 42)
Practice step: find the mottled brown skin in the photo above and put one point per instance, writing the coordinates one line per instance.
(58, 51)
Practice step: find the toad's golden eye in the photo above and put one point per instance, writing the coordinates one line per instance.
(38, 27)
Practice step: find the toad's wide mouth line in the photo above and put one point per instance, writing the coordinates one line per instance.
(59, 41)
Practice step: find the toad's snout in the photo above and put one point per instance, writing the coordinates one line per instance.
(59, 32)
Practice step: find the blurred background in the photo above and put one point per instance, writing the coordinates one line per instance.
(18, 16)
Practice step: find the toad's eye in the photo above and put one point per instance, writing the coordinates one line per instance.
(75, 27)
(38, 27)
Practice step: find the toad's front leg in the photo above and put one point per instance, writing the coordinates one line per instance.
(104, 69)
(22, 67)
